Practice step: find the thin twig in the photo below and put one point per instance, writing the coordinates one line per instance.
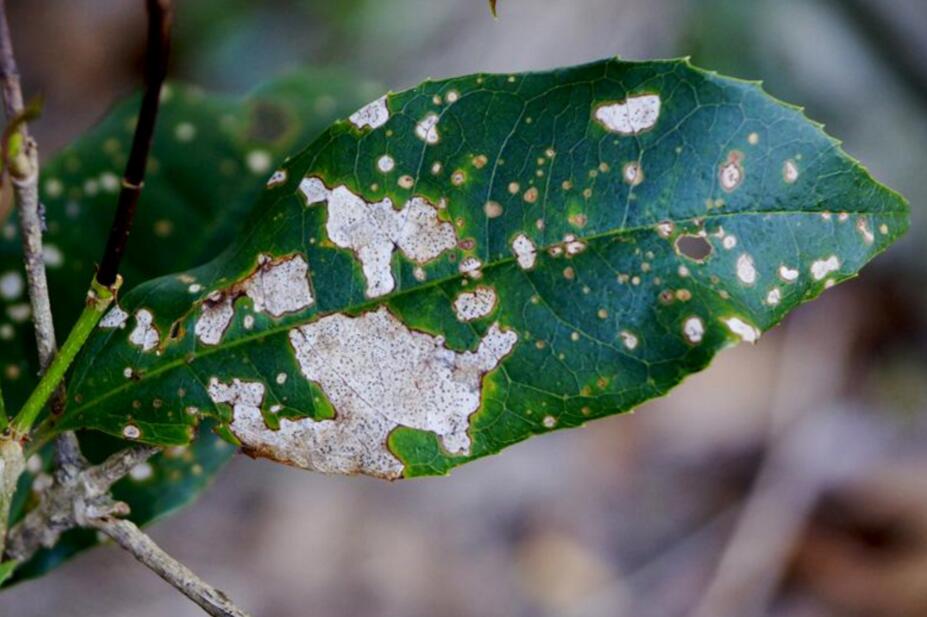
(25, 179)
(143, 548)
(160, 16)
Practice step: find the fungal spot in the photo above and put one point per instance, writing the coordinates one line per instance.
(572, 246)
(373, 115)
(729, 242)
(386, 163)
(479, 161)
(790, 171)
(419, 273)
(531, 195)
(549, 421)
(436, 168)
(374, 230)
(694, 329)
(277, 178)
(378, 375)
(525, 251)
(470, 267)
(406, 182)
(452, 96)
(258, 161)
(127, 372)
(774, 297)
(746, 270)
(862, 226)
(787, 274)
(492, 209)
(248, 322)
(822, 267)
(145, 334)
(11, 285)
(634, 115)
(693, 247)
(458, 178)
(753, 139)
(281, 379)
(731, 173)
(195, 288)
(741, 328)
(633, 173)
(479, 303)
(514, 187)
(629, 339)
(427, 129)
(215, 317)
(114, 318)
(130, 431)
(665, 229)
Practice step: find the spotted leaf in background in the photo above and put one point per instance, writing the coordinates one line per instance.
(463, 265)
(209, 161)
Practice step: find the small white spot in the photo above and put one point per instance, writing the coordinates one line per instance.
(549, 421)
(862, 226)
(195, 288)
(258, 161)
(471, 267)
(7, 332)
(127, 372)
(822, 267)
(790, 172)
(665, 229)
(373, 115)
(109, 181)
(633, 173)
(729, 242)
(634, 115)
(248, 322)
(419, 273)
(184, 132)
(277, 178)
(525, 251)
(476, 304)
(694, 329)
(773, 297)
(141, 472)
(629, 339)
(452, 96)
(788, 274)
(114, 318)
(215, 317)
(741, 328)
(427, 129)
(386, 163)
(746, 271)
(731, 173)
(11, 285)
(281, 378)
(314, 190)
(130, 431)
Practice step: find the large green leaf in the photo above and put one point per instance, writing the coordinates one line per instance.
(477, 260)
(209, 158)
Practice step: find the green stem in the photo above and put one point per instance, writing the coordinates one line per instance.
(98, 300)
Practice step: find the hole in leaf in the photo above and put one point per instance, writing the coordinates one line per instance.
(695, 248)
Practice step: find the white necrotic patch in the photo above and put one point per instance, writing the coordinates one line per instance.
(634, 115)
(789, 275)
(214, 319)
(386, 163)
(379, 375)
(277, 178)
(114, 318)
(427, 129)
(741, 328)
(476, 304)
(746, 271)
(822, 267)
(790, 172)
(373, 115)
(525, 251)
(11, 285)
(145, 334)
(280, 287)
(374, 230)
(629, 339)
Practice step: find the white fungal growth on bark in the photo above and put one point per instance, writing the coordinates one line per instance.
(373, 115)
(374, 230)
(525, 251)
(634, 115)
(145, 334)
(378, 375)
(476, 304)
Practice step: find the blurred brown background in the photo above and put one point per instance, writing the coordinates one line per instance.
(789, 480)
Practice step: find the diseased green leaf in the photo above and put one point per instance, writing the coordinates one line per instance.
(477, 260)
(209, 159)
